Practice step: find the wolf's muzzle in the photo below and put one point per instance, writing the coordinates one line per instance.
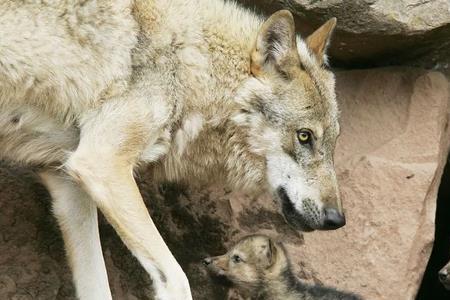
(312, 219)
(291, 215)
(333, 219)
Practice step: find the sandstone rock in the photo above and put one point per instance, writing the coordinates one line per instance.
(389, 160)
(390, 157)
(375, 32)
(377, 16)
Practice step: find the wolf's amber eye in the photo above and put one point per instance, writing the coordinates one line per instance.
(304, 136)
(236, 258)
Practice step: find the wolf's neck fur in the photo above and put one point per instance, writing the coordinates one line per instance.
(218, 62)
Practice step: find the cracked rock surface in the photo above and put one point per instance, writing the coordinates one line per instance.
(375, 32)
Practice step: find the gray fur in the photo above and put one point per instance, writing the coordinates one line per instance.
(264, 272)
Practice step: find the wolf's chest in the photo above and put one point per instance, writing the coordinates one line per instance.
(196, 154)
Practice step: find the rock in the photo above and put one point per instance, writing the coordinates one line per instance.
(389, 161)
(375, 32)
(389, 158)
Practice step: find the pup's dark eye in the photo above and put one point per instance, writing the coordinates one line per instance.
(304, 136)
(236, 259)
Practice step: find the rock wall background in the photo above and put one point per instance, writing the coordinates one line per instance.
(375, 32)
(389, 160)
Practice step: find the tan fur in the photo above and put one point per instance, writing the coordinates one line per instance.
(258, 268)
(261, 262)
(318, 41)
(202, 90)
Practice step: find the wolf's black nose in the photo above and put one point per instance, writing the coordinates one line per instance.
(333, 219)
(207, 261)
(443, 275)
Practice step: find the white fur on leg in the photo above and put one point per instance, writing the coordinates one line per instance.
(169, 280)
(112, 140)
(114, 190)
(77, 217)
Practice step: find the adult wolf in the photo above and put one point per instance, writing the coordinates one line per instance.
(201, 89)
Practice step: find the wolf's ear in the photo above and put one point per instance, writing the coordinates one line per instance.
(318, 40)
(275, 43)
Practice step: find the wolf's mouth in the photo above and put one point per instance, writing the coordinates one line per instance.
(291, 215)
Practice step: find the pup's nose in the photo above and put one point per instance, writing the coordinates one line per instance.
(333, 219)
(207, 261)
(443, 275)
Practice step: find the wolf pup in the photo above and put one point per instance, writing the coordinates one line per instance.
(444, 276)
(259, 268)
(202, 90)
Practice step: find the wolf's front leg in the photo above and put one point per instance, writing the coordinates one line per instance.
(112, 140)
(76, 214)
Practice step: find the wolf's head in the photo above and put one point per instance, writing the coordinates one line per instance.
(444, 276)
(289, 106)
(252, 261)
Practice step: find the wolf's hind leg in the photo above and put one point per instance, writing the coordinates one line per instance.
(112, 140)
(76, 214)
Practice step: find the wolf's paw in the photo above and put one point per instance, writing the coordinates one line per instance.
(176, 287)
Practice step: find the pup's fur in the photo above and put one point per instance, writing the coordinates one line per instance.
(259, 268)
(202, 89)
(444, 276)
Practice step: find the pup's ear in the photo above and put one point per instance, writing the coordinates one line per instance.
(275, 44)
(318, 41)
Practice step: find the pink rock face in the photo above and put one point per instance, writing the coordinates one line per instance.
(389, 161)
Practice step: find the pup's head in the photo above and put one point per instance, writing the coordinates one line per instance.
(444, 276)
(289, 106)
(249, 262)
